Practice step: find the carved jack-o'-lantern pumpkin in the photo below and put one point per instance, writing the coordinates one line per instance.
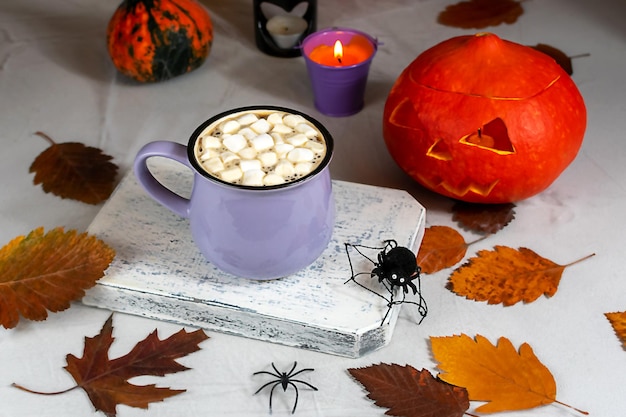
(484, 120)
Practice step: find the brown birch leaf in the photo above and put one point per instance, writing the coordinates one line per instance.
(618, 321)
(483, 218)
(105, 380)
(407, 392)
(479, 14)
(508, 276)
(75, 171)
(442, 247)
(505, 378)
(45, 272)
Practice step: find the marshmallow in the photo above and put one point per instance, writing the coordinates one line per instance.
(213, 165)
(211, 142)
(306, 129)
(283, 129)
(208, 154)
(248, 153)
(253, 177)
(247, 133)
(292, 120)
(285, 169)
(283, 148)
(315, 146)
(231, 126)
(229, 158)
(262, 142)
(261, 126)
(275, 118)
(233, 174)
(300, 155)
(247, 119)
(249, 165)
(235, 143)
(268, 159)
(298, 139)
(273, 179)
(278, 138)
(303, 168)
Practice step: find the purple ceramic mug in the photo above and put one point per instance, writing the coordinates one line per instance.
(257, 232)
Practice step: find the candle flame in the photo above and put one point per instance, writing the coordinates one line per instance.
(338, 52)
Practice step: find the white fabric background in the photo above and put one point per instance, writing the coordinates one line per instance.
(55, 76)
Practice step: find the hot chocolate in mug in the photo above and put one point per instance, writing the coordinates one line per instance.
(261, 204)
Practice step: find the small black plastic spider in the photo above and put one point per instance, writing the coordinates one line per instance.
(396, 268)
(284, 379)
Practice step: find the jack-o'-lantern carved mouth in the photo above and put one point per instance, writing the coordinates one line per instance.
(492, 136)
(465, 187)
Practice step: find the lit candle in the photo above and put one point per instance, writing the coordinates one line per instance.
(338, 62)
(340, 55)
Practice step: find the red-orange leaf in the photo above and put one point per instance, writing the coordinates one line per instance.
(75, 171)
(618, 321)
(411, 393)
(44, 272)
(478, 14)
(508, 276)
(442, 247)
(106, 380)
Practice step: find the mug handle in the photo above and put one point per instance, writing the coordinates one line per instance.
(171, 150)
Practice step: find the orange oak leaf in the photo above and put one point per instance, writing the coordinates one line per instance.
(507, 276)
(505, 378)
(75, 171)
(483, 218)
(478, 14)
(442, 247)
(45, 272)
(106, 380)
(618, 321)
(411, 393)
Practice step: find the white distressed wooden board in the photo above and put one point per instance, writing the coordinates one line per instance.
(159, 273)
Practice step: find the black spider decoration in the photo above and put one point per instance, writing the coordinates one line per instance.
(284, 379)
(396, 268)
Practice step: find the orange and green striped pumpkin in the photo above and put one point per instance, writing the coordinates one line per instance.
(154, 40)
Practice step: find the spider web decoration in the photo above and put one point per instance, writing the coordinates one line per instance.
(397, 271)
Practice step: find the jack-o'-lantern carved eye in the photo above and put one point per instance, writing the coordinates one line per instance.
(492, 136)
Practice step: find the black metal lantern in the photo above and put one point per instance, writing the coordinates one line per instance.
(280, 25)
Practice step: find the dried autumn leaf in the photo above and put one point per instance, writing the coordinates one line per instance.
(483, 218)
(75, 171)
(618, 321)
(500, 375)
(478, 14)
(411, 393)
(44, 272)
(559, 56)
(507, 276)
(442, 247)
(106, 380)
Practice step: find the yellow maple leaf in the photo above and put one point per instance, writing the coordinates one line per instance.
(507, 379)
(618, 321)
(506, 275)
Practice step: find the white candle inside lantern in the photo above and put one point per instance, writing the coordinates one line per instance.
(286, 30)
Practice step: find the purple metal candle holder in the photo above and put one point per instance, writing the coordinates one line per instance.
(338, 90)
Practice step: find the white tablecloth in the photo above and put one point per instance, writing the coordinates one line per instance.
(56, 77)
